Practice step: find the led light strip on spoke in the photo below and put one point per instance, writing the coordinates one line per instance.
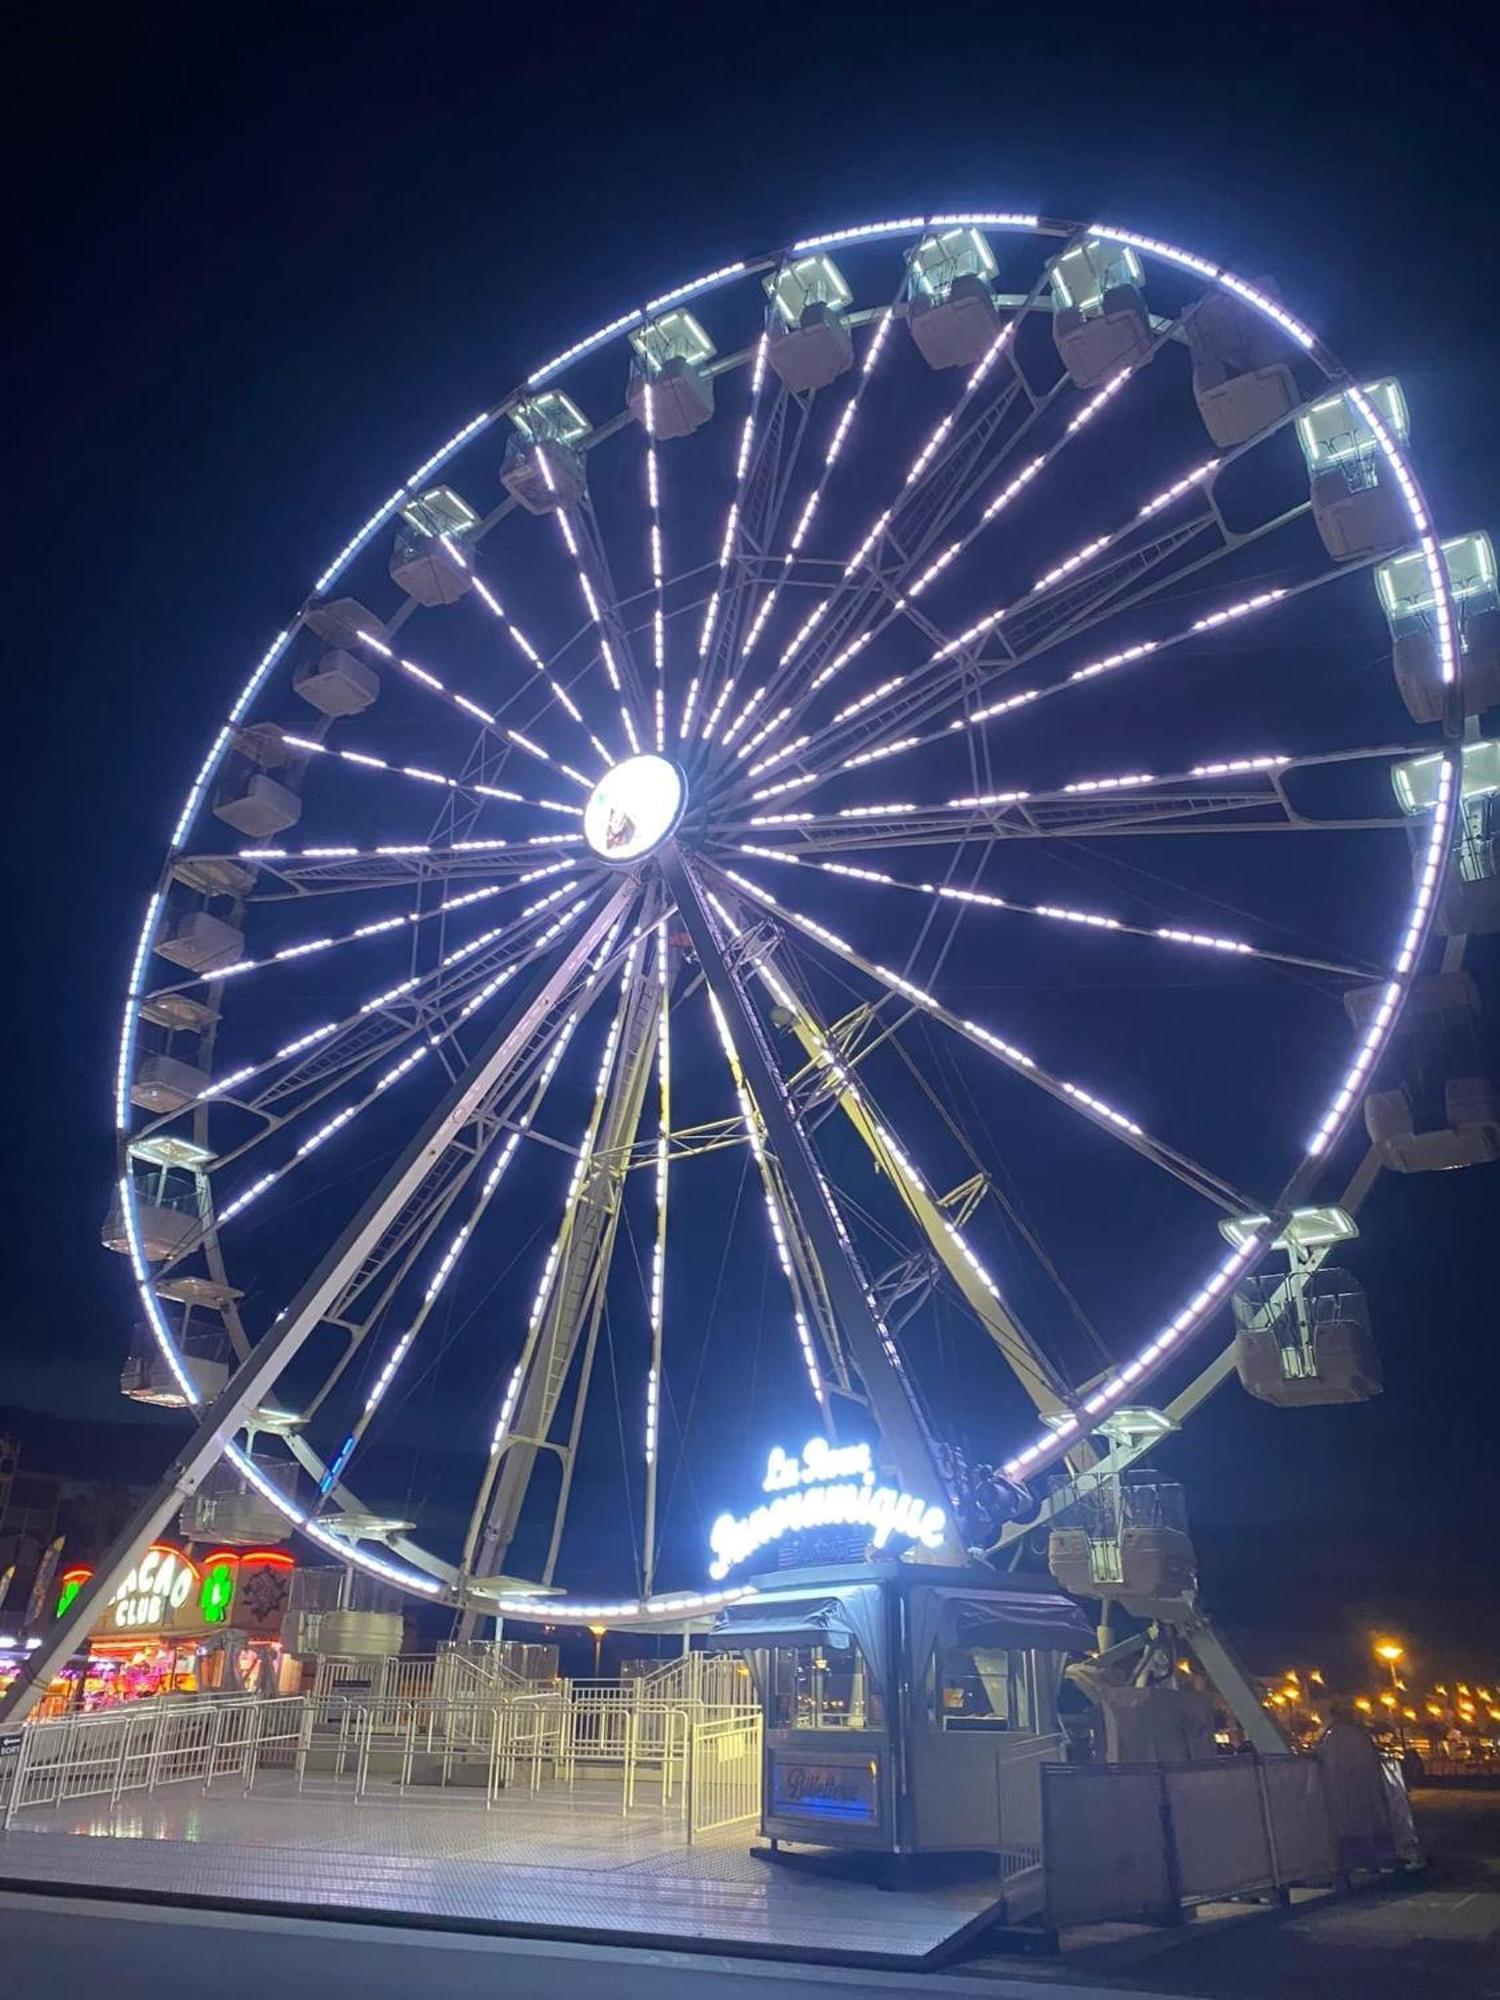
(1096, 1109)
(659, 1247)
(535, 661)
(754, 1132)
(582, 1161)
(814, 497)
(379, 927)
(971, 804)
(658, 576)
(1126, 656)
(229, 1084)
(367, 762)
(502, 1156)
(1090, 920)
(596, 615)
(844, 1080)
(729, 540)
(1050, 580)
(424, 677)
(398, 1069)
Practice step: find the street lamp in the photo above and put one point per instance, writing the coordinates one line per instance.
(598, 1632)
(1390, 1650)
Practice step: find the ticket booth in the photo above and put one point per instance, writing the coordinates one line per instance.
(894, 1693)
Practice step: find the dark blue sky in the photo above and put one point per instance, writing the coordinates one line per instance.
(259, 262)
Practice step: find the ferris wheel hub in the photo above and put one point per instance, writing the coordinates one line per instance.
(635, 808)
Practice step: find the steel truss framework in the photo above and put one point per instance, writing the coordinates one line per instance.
(793, 672)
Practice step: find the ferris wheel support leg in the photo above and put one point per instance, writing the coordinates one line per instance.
(253, 1380)
(903, 1435)
(1224, 1668)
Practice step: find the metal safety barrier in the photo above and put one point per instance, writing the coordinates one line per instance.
(116, 1751)
(698, 1761)
(723, 1772)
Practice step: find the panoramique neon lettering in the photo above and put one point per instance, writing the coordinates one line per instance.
(829, 1486)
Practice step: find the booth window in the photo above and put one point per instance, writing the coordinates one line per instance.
(983, 1688)
(822, 1686)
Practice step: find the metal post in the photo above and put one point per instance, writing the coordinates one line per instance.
(214, 1737)
(902, 1432)
(117, 1785)
(255, 1377)
(690, 1781)
(1172, 1914)
(252, 1746)
(1283, 1894)
(18, 1779)
(304, 1738)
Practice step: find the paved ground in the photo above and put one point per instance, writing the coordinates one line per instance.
(1437, 1940)
(566, 1861)
(53, 1947)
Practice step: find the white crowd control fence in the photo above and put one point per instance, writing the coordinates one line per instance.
(697, 1763)
(105, 1755)
(1140, 1840)
(723, 1772)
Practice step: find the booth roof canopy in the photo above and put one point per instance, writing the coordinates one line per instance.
(966, 1614)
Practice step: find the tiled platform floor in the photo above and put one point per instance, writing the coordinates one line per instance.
(565, 1863)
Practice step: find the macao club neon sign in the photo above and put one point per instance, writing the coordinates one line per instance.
(160, 1583)
(828, 1486)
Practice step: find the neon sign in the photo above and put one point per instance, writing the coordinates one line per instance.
(161, 1582)
(828, 1486)
(217, 1593)
(73, 1581)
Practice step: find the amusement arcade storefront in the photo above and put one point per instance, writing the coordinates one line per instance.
(181, 1625)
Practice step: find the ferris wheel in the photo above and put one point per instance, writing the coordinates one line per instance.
(907, 737)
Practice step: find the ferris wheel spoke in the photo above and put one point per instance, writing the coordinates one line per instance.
(556, 689)
(894, 562)
(937, 480)
(1102, 1115)
(430, 1004)
(1030, 1365)
(569, 1299)
(1089, 923)
(1196, 800)
(367, 761)
(917, 705)
(501, 1123)
(656, 563)
(658, 1281)
(838, 618)
(1110, 575)
(1095, 581)
(580, 537)
(325, 1059)
(418, 1047)
(718, 632)
(808, 1300)
(423, 677)
(405, 921)
(806, 513)
(290, 875)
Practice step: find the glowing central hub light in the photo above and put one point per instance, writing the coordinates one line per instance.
(634, 807)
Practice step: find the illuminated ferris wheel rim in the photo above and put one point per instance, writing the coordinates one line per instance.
(1050, 1443)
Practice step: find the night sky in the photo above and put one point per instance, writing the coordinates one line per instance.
(260, 266)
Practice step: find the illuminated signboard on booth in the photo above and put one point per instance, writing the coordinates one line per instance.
(828, 1486)
(159, 1584)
